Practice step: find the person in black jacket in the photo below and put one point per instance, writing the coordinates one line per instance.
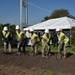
(55, 38)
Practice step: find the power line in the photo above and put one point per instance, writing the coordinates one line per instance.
(9, 13)
(39, 7)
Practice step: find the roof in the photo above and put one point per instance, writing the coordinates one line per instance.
(63, 23)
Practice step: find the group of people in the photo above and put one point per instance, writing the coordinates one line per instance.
(22, 40)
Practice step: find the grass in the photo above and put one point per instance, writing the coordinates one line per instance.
(34, 70)
(47, 72)
(53, 49)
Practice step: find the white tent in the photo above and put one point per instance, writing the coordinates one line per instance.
(63, 23)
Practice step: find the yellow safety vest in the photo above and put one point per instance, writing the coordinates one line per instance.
(60, 38)
(46, 38)
(19, 35)
(5, 34)
(33, 36)
(66, 40)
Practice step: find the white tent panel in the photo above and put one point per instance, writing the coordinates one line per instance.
(63, 23)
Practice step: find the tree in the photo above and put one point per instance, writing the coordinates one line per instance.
(59, 13)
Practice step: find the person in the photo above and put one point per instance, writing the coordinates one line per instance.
(34, 42)
(6, 38)
(55, 38)
(62, 42)
(21, 40)
(39, 35)
(27, 33)
(46, 43)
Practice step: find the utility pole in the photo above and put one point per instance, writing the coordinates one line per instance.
(23, 3)
(26, 12)
(21, 14)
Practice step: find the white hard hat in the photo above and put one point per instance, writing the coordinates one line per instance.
(26, 29)
(5, 28)
(46, 30)
(58, 29)
(17, 27)
(31, 30)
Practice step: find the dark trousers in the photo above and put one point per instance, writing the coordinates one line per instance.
(7, 45)
(23, 45)
(55, 40)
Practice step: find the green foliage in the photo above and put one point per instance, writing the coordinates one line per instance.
(47, 72)
(59, 13)
(33, 69)
(73, 37)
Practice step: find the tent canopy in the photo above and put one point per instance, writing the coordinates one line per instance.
(63, 23)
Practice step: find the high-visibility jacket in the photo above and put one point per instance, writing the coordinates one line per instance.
(5, 34)
(45, 38)
(66, 40)
(20, 35)
(62, 38)
(34, 37)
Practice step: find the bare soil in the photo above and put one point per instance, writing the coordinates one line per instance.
(13, 63)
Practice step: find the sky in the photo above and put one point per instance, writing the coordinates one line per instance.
(10, 10)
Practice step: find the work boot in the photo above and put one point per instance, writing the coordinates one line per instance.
(59, 56)
(64, 57)
(18, 53)
(35, 54)
(31, 54)
(43, 55)
(49, 54)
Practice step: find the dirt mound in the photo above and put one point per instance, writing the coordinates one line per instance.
(27, 62)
